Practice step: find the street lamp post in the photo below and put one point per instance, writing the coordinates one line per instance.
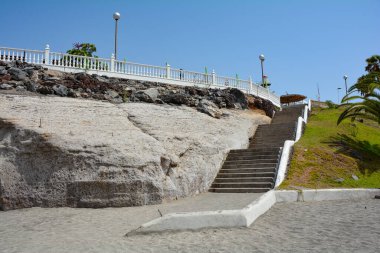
(338, 95)
(345, 82)
(262, 58)
(116, 16)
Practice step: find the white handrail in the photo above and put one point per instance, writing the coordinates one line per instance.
(111, 67)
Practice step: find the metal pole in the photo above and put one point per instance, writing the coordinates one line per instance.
(116, 38)
(345, 83)
(262, 73)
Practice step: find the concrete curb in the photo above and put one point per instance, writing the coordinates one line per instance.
(288, 146)
(284, 160)
(246, 216)
(209, 219)
(325, 194)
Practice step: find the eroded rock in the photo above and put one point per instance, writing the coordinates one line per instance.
(98, 154)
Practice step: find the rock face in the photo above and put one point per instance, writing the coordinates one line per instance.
(34, 78)
(57, 151)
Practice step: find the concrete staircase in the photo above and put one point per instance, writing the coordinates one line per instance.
(254, 169)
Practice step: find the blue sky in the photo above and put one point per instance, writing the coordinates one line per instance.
(305, 42)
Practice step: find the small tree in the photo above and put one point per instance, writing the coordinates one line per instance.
(87, 50)
(373, 69)
(364, 82)
(83, 49)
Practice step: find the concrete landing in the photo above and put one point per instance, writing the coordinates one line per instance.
(209, 201)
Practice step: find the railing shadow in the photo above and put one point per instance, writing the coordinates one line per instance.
(363, 151)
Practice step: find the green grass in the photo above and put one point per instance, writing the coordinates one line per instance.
(327, 152)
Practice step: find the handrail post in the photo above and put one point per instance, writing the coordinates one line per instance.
(47, 54)
(167, 71)
(112, 62)
(213, 77)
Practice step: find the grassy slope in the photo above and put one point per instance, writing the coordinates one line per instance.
(317, 162)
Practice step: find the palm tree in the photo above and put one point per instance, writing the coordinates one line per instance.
(368, 106)
(373, 63)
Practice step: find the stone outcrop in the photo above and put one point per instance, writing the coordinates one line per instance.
(23, 77)
(59, 151)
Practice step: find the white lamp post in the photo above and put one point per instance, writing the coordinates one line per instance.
(262, 58)
(338, 96)
(345, 82)
(116, 16)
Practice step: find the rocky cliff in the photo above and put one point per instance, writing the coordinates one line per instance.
(90, 141)
(85, 153)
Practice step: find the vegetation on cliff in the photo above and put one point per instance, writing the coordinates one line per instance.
(328, 155)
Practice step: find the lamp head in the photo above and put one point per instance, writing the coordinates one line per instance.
(116, 16)
(261, 57)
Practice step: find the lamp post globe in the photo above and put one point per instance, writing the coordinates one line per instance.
(116, 16)
(261, 57)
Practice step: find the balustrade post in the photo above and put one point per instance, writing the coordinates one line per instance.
(47, 54)
(213, 77)
(112, 62)
(167, 71)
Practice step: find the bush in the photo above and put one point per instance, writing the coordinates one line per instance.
(330, 104)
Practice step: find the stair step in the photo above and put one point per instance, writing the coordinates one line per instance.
(268, 142)
(239, 190)
(243, 179)
(247, 170)
(255, 150)
(249, 157)
(249, 165)
(250, 161)
(266, 145)
(243, 185)
(245, 174)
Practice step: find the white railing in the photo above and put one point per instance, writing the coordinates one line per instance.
(130, 70)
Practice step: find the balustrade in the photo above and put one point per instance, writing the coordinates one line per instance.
(67, 62)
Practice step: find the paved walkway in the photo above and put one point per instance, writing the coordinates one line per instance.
(329, 226)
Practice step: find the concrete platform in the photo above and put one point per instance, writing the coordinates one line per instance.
(209, 202)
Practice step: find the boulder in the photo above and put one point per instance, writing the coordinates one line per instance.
(209, 108)
(113, 96)
(20, 88)
(175, 98)
(18, 74)
(236, 96)
(31, 86)
(46, 90)
(149, 95)
(29, 70)
(5, 86)
(60, 90)
(3, 71)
